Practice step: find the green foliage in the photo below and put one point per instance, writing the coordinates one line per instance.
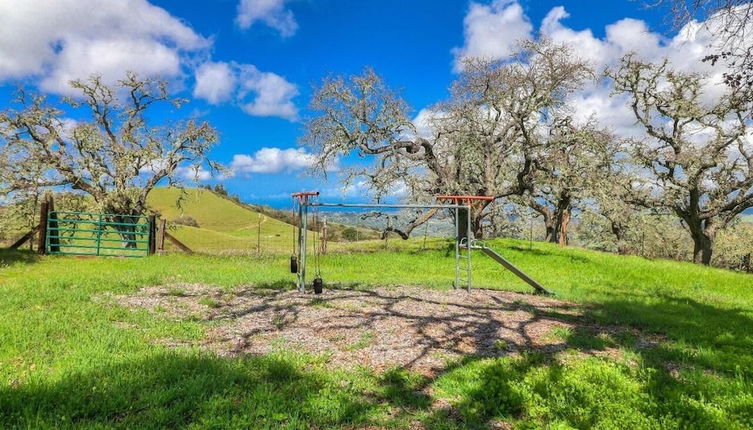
(350, 234)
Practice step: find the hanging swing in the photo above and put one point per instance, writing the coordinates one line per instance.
(318, 282)
(294, 255)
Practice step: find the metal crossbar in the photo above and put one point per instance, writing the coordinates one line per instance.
(379, 205)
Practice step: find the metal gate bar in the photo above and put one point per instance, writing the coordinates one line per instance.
(96, 236)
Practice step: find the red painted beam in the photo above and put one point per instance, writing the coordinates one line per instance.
(468, 198)
(303, 196)
(305, 193)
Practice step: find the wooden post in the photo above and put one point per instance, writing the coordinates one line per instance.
(152, 235)
(42, 239)
(160, 240)
(258, 233)
(23, 239)
(178, 243)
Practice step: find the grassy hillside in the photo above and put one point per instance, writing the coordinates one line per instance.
(675, 349)
(747, 218)
(224, 226)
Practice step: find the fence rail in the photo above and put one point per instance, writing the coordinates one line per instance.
(93, 234)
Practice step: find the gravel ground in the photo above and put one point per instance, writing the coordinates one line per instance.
(380, 328)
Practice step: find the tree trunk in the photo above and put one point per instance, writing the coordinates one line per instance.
(704, 234)
(563, 222)
(550, 226)
(620, 233)
(477, 226)
(127, 233)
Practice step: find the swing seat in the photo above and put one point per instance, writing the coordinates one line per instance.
(318, 285)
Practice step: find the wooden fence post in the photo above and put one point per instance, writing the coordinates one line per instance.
(23, 239)
(152, 235)
(178, 243)
(42, 239)
(160, 242)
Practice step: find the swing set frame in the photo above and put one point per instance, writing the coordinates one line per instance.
(463, 234)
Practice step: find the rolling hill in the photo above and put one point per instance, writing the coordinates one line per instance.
(223, 225)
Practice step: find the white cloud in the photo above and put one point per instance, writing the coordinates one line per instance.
(272, 94)
(362, 189)
(215, 82)
(257, 93)
(193, 173)
(270, 12)
(492, 31)
(188, 173)
(272, 160)
(59, 40)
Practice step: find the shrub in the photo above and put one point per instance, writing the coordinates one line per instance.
(186, 220)
(350, 234)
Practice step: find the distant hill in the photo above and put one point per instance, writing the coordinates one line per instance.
(209, 222)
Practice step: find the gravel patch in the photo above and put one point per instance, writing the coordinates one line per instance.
(411, 327)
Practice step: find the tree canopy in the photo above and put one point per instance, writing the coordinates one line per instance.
(111, 153)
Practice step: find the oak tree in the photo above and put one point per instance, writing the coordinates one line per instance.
(481, 141)
(697, 156)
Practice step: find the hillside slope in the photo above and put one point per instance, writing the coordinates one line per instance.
(225, 226)
(222, 224)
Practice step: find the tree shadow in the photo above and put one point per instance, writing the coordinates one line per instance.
(12, 256)
(689, 365)
(547, 253)
(179, 390)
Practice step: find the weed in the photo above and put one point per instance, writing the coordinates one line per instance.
(210, 302)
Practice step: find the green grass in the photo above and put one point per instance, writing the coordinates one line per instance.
(71, 358)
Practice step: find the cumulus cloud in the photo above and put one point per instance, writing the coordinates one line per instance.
(185, 172)
(60, 40)
(272, 94)
(193, 173)
(215, 82)
(492, 31)
(361, 189)
(272, 160)
(270, 12)
(257, 93)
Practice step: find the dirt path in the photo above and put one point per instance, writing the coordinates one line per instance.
(384, 327)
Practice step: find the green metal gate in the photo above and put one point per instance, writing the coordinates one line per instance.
(95, 234)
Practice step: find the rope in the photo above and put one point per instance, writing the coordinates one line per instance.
(295, 228)
(317, 239)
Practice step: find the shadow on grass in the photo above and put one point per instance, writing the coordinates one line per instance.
(696, 374)
(12, 256)
(172, 390)
(546, 253)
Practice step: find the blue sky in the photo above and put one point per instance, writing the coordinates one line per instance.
(267, 55)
